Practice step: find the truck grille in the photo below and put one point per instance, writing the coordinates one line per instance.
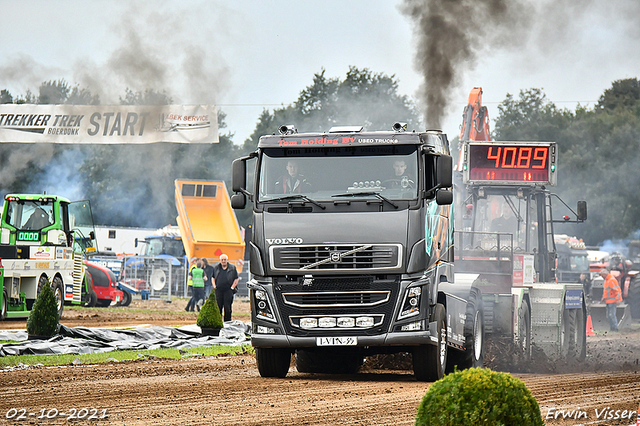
(342, 299)
(337, 297)
(336, 257)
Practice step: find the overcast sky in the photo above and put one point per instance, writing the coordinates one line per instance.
(246, 56)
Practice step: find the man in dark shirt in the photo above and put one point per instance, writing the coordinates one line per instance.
(225, 281)
(293, 182)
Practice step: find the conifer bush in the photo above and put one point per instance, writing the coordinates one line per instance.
(478, 396)
(43, 319)
(209, 316)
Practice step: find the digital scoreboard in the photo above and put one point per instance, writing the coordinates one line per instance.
(509, 163)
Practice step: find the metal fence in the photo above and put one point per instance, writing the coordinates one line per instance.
(157, 277)
(165, 277)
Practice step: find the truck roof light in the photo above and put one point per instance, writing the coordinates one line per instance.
(400, 127)
(287, 129)
(346, 129)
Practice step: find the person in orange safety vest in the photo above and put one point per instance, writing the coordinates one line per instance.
(612, 296)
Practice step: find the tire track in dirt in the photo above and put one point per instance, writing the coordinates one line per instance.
(585, 392)
(229, 391)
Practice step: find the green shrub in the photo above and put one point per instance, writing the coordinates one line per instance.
(209, 316)
(43, 319)
(478, 396)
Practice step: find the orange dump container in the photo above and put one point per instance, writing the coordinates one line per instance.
(207, 222)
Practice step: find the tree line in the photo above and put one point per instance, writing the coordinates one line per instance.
(131, 185)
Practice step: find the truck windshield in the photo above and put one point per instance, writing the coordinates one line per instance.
(503, 214)
(158, 246)
(321, 173)
(29, 215)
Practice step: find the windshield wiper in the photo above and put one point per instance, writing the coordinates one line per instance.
(377, 194)
(298, 196)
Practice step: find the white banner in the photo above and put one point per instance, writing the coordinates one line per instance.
(108, 124)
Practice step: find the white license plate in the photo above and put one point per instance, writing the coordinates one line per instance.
(337, 341)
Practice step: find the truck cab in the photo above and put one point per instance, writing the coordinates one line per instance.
(351, 238)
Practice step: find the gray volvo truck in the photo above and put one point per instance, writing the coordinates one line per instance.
(350, 249)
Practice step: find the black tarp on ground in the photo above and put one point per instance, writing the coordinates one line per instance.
(83, 340)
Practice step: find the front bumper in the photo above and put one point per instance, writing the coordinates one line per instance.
(405, 338)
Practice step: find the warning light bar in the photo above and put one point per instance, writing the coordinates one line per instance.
(506, 163)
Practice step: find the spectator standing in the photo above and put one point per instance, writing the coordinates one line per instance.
(208, 280)
(198, 279)
(225, 281)
(191, 303)
(612, 296)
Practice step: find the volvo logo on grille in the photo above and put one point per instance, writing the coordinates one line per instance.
(335, 257)
(292, 240)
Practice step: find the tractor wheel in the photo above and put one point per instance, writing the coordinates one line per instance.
(430, 361)
(633, 299)
(58, 291)
(580, 352)
(5, 305)
(92, 299)
(273, 362)
(126, 299)
(473, 356)
(41, 283)
(524, 330)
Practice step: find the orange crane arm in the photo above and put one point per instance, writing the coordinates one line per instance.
(475, 119)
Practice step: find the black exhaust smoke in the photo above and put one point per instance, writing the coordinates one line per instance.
(451, 35)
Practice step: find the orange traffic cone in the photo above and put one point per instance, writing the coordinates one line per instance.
(638, 421)
(590, 327)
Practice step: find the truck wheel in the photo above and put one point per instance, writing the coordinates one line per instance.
(633, 299)
(429, 361)
(59, 293)
(273, 362)
(473, 356)
(318, 361)
(524, 330)
(5, 305)
(126, 299)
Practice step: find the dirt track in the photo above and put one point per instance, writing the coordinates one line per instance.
(229, 390)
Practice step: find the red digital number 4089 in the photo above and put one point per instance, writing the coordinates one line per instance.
(523, 157)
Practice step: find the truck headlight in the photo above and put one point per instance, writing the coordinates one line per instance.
(262, 306)
(411, 304)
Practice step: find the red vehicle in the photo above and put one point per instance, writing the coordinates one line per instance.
(104, 285)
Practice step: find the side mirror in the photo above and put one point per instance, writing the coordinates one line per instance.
(582, 210)
(238, 201)
(135, 243)
(238, 175)
(92, 235)
(444, 171)
(444, 197)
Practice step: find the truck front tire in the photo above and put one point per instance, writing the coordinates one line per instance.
(429, 361)
(473, 355)
(273, 362)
